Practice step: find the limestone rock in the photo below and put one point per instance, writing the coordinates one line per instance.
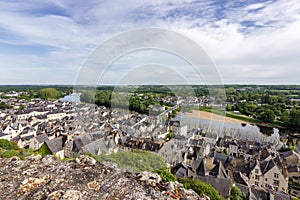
(85, 160)
(84, 178)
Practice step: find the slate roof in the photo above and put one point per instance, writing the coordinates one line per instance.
(219, 171)
(196, 163)
(238, 178)
(27, 129)
(99, 145)
(278, 162)
(294, 169)
(88, 138)
(27, 137)
(2, 134)
(288, 153)
(264, 154)
(259, 193)
(281, 196)
(234, 143)
(142, 144)
(77, 144)
(182, 170)
(222, 185)
(196, 142)
(55, 145)
(244, 189)
(16, 139)
(201, 169)
(42, 138)
(245, 167)
(265, 166)
(223, 158)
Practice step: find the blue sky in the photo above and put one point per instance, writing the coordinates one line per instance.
(46, 42)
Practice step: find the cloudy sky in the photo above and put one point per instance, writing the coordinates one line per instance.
(48, 42)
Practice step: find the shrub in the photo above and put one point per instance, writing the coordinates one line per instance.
(201, 188)
(169, 136)
(10, 153)
(44, 150)
(165, 175)
(236, 194)
(5, 144)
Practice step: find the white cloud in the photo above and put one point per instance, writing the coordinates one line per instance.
(255, 43)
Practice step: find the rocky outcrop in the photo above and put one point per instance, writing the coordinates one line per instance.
(48, 178)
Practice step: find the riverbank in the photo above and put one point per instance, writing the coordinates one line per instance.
(219, 112)
(212, 116)
(229, 116)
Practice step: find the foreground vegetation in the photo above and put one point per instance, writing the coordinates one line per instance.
(9, 149)
(137, 160)
(200, 188)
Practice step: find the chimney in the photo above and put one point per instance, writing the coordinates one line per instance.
(284, 170)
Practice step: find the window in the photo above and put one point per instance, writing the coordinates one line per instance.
(276, 175)
(256, 171)
(276, 182)
(256, 177)
(266, 179)
(256, 183)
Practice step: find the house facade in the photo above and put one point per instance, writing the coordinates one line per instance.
(266, 174)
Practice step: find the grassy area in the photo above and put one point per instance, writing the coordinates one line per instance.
(137, 160)
(242, 117)
(21, 153)
(9, 149)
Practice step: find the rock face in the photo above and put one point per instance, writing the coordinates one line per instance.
(48, 178)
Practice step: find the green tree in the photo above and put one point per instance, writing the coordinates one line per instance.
(295, 118)
(229, 107)
(267, 115)
(49, 93)
(87, 97)
(236, 194)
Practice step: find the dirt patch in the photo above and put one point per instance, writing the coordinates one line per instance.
(212, 116)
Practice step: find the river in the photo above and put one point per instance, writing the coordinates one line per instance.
(249, 131)
(74, 97)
